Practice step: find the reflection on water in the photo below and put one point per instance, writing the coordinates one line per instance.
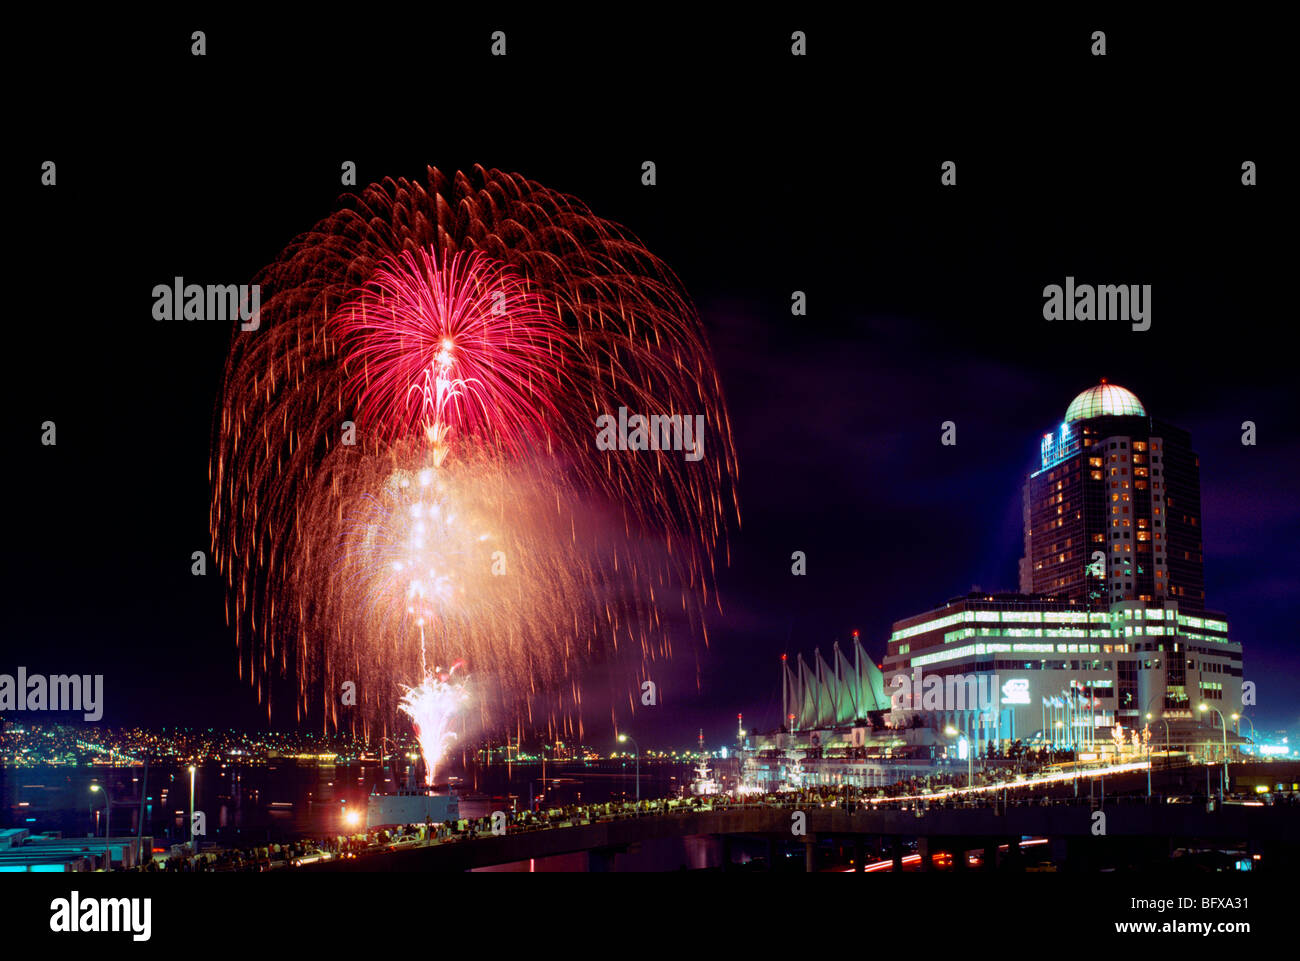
(286, 799)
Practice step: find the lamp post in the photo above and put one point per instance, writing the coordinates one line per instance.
(543, 750)
(108, 823)
(1239, 718)
(1224, 780)
(1236, 729)
(621, 739)
(1152, 717)
(194, 848)
(1148, 747)
(1149, 702)
(970, 769)
(108, 808)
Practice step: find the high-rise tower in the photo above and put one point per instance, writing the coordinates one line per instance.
(1122, 487)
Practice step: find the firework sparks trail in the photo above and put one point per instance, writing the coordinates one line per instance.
(432, 706)
(404, 468)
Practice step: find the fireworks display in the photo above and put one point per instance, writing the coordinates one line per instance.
(432, 706)
(405, 471)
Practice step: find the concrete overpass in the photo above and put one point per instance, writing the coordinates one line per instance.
(1147, 830)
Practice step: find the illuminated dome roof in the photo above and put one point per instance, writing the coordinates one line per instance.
(1104, 400)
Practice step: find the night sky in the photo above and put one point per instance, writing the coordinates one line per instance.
(775, 174)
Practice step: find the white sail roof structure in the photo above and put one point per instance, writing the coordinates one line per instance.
(833, 694)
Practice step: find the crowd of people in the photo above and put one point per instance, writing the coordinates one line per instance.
(254, 859)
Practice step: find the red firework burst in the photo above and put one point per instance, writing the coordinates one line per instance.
(463, 346)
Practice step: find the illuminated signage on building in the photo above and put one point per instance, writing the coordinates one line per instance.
(1016, 691)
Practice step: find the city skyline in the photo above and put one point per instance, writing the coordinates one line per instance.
(718, 725)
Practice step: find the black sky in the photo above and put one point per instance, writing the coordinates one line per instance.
(775, 174)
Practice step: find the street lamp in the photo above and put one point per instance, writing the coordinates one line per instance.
(194, 848)
(543, 769)
(1241, 717)
(1152, 717)
(1224, 781)
(970, 759)
(108, 808)
(1147, 739)
(1236, 724)
(108, 823)
(622, 738)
